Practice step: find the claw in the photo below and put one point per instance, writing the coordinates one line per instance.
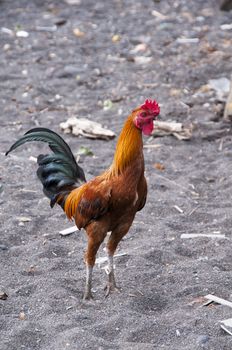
(109, 288)
(111, 285)
(87, 295)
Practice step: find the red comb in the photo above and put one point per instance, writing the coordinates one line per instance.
(151, 106)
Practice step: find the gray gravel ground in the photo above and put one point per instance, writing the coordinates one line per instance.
(53, 74)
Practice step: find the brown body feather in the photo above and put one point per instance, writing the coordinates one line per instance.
(119, 192)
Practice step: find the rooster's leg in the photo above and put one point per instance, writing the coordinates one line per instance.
(94, 241)
(112, 244)
(88, 284)
(111, 285)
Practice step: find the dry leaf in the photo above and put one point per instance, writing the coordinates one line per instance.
(159, 166)
(87, 128)
(176, 129)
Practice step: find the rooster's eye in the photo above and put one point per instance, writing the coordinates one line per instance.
(143, 114)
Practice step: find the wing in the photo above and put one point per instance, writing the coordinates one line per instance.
(142, 193)
(90, 203)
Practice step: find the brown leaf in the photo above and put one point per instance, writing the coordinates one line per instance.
(159, 166)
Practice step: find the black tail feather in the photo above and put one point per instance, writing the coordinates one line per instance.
(58, 172)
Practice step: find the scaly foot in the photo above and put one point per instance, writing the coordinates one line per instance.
(87, 295)
(109, 288)
(111, 285)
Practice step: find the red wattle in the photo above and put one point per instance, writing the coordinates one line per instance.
(148, 128)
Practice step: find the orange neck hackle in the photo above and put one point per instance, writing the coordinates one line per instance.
(129, 145)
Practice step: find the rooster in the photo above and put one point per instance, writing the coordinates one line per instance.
(107, 203)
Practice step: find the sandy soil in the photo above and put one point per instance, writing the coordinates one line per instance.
(53, 74)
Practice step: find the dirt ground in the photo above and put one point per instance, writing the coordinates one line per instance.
(49, 74)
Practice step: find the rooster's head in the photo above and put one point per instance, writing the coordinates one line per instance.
(144, 116)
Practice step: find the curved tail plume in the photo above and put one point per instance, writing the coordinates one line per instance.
(59, 171)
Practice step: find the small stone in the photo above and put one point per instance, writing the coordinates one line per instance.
(226, 26)
(7, 31)
(3, 296)
(107, 104)
(6, 47)
(22, 316)
(226, 5)
(143, 60)
(52, 55)
(139, 48)
(78, 33)
(68, 71)
(202, 339)
(22, 34)
(221, 85)
(116, 38)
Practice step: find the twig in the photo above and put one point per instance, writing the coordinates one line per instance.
(151, 146)
(178, 209)
(193, 210)
(207, 235)
(220, 145)
(227, 325)
(218, 300)
(68, 231)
